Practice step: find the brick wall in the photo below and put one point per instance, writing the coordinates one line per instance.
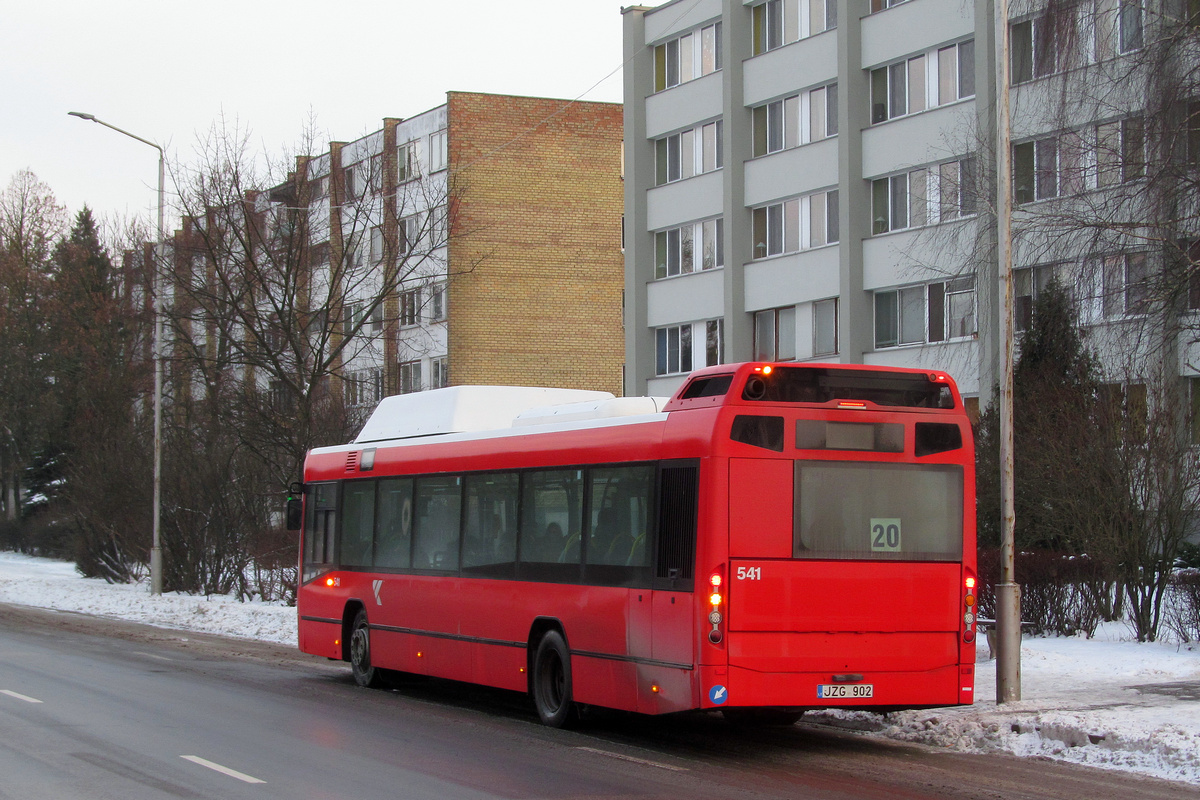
(535, 262)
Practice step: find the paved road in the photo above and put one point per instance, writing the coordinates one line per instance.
(99, 709)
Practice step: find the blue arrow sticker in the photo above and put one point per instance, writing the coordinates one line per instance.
(718, 695)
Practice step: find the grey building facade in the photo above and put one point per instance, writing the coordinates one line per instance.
(814, 181)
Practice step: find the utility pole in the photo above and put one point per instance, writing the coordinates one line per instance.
(1008, 592)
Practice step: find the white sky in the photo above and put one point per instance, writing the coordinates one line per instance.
(167, 71)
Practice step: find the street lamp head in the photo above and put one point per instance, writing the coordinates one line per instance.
(82, 115)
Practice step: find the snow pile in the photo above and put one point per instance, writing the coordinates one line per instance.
(55, 584)
(1105, 702)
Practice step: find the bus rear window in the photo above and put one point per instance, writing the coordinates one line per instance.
(817, 385)
(885, 511)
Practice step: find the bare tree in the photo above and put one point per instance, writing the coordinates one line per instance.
(290, 285)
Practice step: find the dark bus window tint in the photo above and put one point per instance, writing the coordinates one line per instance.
(490, 522)
(438, 500)
(677, 508)
(937, 437)
(551, 517)
(393, 523)
(620, 516)
(822, 385)
(764, 432)
(713, 386)
(875, 510)
(358, 523)
(320, 534)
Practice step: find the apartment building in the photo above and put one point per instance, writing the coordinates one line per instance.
(476, 242)
(815, 181)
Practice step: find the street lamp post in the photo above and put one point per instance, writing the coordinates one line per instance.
(156, 577)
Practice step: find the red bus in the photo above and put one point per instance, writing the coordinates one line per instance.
(771, 539)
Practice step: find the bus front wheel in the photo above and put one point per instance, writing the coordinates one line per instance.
(365, 674)
(551, 682)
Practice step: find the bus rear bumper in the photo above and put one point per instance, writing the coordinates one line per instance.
(738, 687)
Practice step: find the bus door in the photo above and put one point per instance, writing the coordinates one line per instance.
(847, 573)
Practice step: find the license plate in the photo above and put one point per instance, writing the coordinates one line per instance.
(828, 691)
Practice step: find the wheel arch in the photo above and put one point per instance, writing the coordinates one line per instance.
(349, 612)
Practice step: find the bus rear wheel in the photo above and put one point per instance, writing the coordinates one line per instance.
(551, 682)
(365, 674)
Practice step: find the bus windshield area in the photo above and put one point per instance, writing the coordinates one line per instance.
(876, 510)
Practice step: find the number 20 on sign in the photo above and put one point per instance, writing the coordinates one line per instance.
(885, 535)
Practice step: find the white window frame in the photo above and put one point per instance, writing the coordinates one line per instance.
(673, 349)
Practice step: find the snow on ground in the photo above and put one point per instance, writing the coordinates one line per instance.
(1106, 702)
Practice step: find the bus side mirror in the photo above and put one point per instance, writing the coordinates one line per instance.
(294, 513)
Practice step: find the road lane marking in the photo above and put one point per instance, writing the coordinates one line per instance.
(631, 759)
(18, 696)
(232, 773)
(153, 655)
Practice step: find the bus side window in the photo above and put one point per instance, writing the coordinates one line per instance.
(439, 500)
(490, 525)
(551, 517)
(393, 523)
(320, 533)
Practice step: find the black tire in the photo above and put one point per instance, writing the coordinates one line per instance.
(761, 717)
(365, 674)
(551, 682)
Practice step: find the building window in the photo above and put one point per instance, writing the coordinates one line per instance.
(410, 377)
(439, 369)
(1129, 25)
(352, 318)
(712, 238)
(714, 342)
(880, 5)
(375, 173)
(776, 125)
(408, 232)
(692, 55)
(778, 228)
(1114, 286)
(364, 387)
(711, 146)
(825, 327)
(673, 349)
(352, 182)
(942, 310)
(407, 162)
(1035, 170)
(923, 196)
(900, 317)
(800, 119)
(710, 49)
(437, 303)
(1028, 285)
(437, 150)
(1120, 151)
(410, 308)
(780, 22)
(687, 153)
(675, 157)
(775, 334)
(902, 88)
(675, 249)
(377, 244)
(318, 188)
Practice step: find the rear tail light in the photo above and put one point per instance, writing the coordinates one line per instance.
(715, 614)
(969, 615)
